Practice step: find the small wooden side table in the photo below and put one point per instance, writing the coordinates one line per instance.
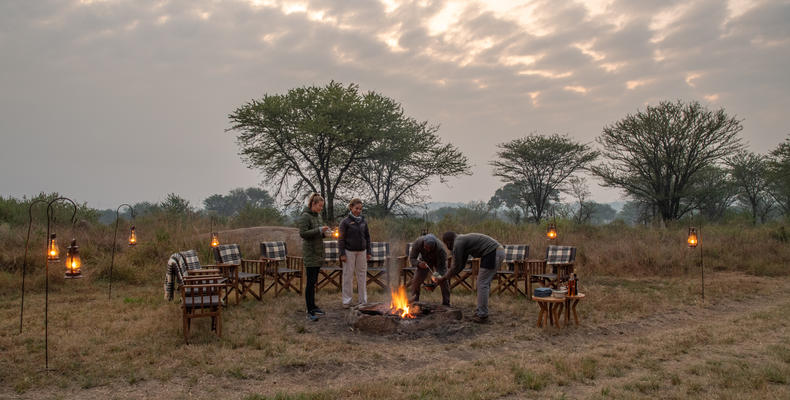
(570, 305)
(550, 309)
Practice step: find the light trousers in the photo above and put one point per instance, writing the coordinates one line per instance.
(356, 264)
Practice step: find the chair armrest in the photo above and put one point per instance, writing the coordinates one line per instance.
(253, 266)
(203, 271)
(294, 262)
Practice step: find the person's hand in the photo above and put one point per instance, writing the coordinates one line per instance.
(343, 258)
(324, 229)
(368, 256)
(422, 265)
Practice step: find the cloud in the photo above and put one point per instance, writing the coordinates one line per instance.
(135, 95)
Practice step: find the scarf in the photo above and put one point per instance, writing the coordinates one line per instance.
(355, 218)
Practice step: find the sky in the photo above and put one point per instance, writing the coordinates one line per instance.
(113, 102)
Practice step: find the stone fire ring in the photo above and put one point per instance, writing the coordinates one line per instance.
(375, 318)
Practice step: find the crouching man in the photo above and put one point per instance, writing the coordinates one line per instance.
(428, 255)
(491, 255)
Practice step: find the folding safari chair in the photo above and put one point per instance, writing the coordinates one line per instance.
(331, 272)
(406, 270)
(561, 260)
(183, 265)
(466, 277)
(512, 270)
(242, 273)
(377, 265)
(286, 271)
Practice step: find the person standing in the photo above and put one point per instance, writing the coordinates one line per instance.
(491, 255)
(312, 231)
(428, 255)
(354, 246)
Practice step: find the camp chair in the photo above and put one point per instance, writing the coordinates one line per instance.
(467, 277)
(377, 265)
(242, 274)
(561, 259)
(284, 270)
(331, 272)
(512, 270)
(406, 270)
(201, 298)
(182, 265)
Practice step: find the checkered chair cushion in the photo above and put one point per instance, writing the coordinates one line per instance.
(379, 251)
(515, 252)
(560, 254)
(228, 254)
(331, 251)
(190, 261)
(178, 266)
(274, 250)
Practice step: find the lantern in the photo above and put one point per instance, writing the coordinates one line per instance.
(692, 239)
(132, 237)
(551, 232)
(73, 262)
(214, 239)
(52, 250)
(336, 233)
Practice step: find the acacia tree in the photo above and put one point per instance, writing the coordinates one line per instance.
(309, 139)
(749, 171)
(655, 154)
(402, 163)
(712, 192)
(539, 165)
(779, 176)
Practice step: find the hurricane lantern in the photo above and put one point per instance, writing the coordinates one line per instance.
(214, 239)
(53, 254)
(132, 237)
(336, 233)
(73, 261)
(692, 239)
(551, 232)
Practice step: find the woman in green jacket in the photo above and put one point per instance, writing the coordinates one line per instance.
(312, 230)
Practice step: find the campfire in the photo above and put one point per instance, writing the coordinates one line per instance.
(400, 303)
(399, 316)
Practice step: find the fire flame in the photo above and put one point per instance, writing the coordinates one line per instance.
(400, 303)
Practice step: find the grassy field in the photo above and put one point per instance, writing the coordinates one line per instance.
(644, 333)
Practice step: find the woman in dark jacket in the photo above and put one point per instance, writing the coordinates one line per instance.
(312, 230)
(354, 246)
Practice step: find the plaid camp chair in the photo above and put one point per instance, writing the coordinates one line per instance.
(467, 277)
(242, 274)
(377, 265)
(331, 272)
(561, 260)
(406, 270)
(284, 270)
(181, 267)
(512, 270)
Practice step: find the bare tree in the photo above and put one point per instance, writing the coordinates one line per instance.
(539, 165)
(654, 155)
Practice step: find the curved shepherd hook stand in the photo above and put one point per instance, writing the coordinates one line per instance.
(72, 265)
(132, 241)
(24, 260)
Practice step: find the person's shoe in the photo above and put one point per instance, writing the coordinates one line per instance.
(480, 319)
(312, 317)
(347, 305)
(319, 312)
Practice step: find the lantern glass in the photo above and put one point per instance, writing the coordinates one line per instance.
(692, 240)
(336, 233)
(53, 254)
(73, 261)
(214, 239)
(551, 232)
(132, 237)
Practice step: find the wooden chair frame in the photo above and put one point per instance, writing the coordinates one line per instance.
(201, 298)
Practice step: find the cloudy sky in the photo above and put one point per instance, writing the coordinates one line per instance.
(124, 101)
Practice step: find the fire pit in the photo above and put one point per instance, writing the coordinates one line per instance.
(399, 316)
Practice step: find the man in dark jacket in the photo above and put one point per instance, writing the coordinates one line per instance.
(428, 253)
(491, 255)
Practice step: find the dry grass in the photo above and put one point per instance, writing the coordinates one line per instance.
(645, 333)
(641, 338)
